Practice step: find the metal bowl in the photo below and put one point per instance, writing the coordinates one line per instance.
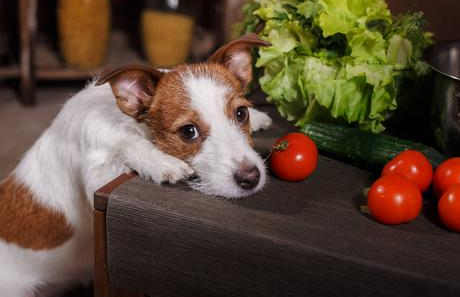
(444, 59)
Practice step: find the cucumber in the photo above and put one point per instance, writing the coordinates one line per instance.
(363, 149)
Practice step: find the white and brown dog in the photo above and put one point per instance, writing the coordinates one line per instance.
(193, 120)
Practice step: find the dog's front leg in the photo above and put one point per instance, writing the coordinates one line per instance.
(134, 153)
(151, 163)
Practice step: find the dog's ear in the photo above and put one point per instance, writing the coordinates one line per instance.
(236, 56)
(133, 87)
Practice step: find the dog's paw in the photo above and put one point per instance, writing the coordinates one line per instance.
(259, 120)
(167, 169)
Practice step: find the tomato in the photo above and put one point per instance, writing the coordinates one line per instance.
(393, 199)
(294, 157)
(414, 166)
(449, 208)
(446, 175)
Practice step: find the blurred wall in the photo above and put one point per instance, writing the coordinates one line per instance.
(443, 15)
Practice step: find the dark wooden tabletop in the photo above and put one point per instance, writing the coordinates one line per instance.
(291, 239)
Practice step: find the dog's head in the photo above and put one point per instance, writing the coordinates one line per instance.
(198, 113)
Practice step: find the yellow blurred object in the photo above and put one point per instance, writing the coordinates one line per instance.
(84, 28)
(166, 37)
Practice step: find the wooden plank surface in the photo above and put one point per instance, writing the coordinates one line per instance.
(284, 241)
(9, 72)
(291, 239)
(101, 278)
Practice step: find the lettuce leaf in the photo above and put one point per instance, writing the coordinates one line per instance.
(337, 60)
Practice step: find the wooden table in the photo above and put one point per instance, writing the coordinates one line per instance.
(291, 239)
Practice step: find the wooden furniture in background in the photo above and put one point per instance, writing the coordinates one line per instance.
(40, 61)
(28, 27)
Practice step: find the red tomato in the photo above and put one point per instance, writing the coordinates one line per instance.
(393, 199)
(446, 175)
(414, 166)
(449, 208)
(294, 157)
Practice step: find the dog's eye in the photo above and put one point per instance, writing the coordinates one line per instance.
(189, 132)
(242, 114)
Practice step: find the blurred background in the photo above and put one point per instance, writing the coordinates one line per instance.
(50, 48)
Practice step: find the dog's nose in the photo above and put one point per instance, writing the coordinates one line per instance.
(247, 177)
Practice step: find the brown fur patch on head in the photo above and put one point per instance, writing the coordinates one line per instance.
(171, 108)
(133, 88)
(26, 223)
(169, 112)
(231, 110)
(236, 56)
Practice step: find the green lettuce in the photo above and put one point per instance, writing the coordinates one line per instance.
(337, 60)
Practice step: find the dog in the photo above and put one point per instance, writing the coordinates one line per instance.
(167, 126)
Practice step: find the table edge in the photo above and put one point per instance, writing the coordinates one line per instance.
(101, 195)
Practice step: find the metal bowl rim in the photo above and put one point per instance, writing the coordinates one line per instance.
(437, 44)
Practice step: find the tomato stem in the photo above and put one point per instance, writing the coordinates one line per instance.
(365, 209)
(365, 192)
(282, 146)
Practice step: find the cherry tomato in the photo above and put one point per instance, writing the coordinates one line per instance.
(393, 199)
(414, 166)
(294, 157)
(446, 175)
(449, 208)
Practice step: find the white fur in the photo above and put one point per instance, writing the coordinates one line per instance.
(226, 146)
(91, 142)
